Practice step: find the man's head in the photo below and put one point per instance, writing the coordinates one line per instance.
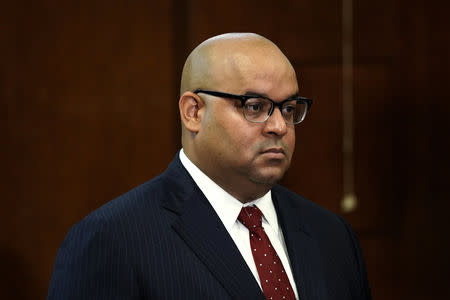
(246, 159)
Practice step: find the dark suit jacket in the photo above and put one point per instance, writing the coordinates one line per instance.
(163, 240)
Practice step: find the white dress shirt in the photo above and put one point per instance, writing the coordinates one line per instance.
(228, 208)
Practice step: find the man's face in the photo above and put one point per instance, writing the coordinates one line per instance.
(235, 149)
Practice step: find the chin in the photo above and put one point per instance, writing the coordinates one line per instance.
(268, 178)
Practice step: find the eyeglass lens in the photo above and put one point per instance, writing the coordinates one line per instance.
(258, 109)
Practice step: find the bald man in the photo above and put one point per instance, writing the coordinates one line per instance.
(215, 225)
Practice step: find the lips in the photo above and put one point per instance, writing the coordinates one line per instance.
(274, 150)
(276, 153)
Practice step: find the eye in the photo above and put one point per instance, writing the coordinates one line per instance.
(254, 105)
(288, 109)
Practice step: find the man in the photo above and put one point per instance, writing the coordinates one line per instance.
(215, 225)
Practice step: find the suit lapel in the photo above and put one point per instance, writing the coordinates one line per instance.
(304, 252)
(201, 229)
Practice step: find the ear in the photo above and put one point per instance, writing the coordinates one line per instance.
(191, 111)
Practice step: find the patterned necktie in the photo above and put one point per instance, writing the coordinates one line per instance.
(274, 281)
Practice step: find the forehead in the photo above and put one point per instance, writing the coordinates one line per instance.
(258, 68)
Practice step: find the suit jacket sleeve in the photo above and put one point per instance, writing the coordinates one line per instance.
(92, 264)
(361, 284)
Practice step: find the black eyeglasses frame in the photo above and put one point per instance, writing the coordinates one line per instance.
(244, 98)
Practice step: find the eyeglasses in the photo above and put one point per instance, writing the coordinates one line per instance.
(258, 109)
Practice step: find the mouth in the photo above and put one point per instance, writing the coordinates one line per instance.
(274, 150)
(274, 153)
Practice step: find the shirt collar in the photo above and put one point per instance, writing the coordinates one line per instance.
(265, 205)
(226, 206)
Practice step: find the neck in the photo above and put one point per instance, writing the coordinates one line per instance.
(241, 188)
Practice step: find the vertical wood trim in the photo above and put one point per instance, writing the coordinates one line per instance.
(348, 202)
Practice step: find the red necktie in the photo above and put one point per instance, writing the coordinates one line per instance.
(274, 281)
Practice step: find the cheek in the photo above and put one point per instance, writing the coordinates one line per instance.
(237, 140)
(222, 137)
(238, 144)
(234, 137)
(232, 131)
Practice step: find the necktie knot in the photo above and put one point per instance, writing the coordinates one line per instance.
(250, 217)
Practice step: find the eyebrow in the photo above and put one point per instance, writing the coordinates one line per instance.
(251, 93)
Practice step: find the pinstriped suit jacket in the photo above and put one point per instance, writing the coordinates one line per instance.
(163, 240)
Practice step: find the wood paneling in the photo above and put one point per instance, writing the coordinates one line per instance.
(88, 105)
(373, 143)
(316, 170)
(310, 32)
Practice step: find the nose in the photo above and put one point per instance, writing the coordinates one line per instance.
(276, 124)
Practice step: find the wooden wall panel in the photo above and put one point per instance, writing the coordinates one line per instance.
(310, 31)
(316, 170)
(373, 143)
(206, 20)
(88, 106)
(407, 260)
(422, 149)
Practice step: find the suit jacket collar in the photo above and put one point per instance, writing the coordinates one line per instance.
(201, 229)
(303, 249)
